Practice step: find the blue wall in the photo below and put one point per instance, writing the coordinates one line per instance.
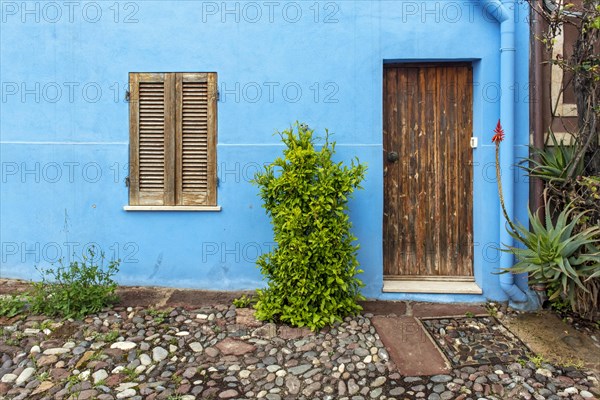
(64, 123)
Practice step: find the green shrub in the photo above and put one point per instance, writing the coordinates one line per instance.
(312, 272)
(556, 255)
(12, 305)
(73, 291)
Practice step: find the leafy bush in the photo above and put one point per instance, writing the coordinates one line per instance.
(312, 272)
(73, 291)
(555, 255)
(12, 305)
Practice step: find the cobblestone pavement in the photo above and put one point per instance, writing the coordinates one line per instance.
(220, 352)
(475, 341)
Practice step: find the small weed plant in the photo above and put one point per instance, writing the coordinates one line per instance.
(12, 305)
(159, 316)
(130, 374)
(73, 380)
(75, 290)
(492, 309)
(312, 272)
(244, 301)
(537, 360)
(101, 382)
(109, 337)
(46, 324)
(176, 378)
(43, 376)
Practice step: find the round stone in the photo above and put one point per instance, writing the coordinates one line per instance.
(99, 376)
(24, 376)
(379, 381)
(125, 394)
(196, 347)
(159, 354)
(125, 346)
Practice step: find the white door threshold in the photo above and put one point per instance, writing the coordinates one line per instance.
(424, 286)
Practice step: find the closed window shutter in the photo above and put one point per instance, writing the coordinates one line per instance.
(196, 138)
(172, 139)
(151, 126)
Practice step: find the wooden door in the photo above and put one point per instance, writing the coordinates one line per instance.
(428, 173)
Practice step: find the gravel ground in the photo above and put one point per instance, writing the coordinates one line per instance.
(223, 353)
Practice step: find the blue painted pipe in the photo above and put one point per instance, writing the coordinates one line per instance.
(504, 14)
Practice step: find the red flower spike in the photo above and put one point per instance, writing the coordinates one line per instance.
(499, 134)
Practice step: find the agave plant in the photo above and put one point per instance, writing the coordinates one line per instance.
(552, 163)
(553, 252)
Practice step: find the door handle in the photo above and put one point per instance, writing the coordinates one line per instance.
(392, 156)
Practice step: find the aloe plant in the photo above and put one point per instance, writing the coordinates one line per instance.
(552, 163)
(553, 252)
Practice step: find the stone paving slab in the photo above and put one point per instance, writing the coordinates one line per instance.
(545, 333)
(411, 349)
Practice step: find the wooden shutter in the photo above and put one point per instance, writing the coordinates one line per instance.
(151, 132)
(196, 136)
(172, 139)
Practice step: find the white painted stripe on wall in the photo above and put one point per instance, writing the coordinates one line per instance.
(64, 143)
(281, 144)
(219, 144)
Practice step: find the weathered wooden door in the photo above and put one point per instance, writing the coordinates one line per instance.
(428, 178)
